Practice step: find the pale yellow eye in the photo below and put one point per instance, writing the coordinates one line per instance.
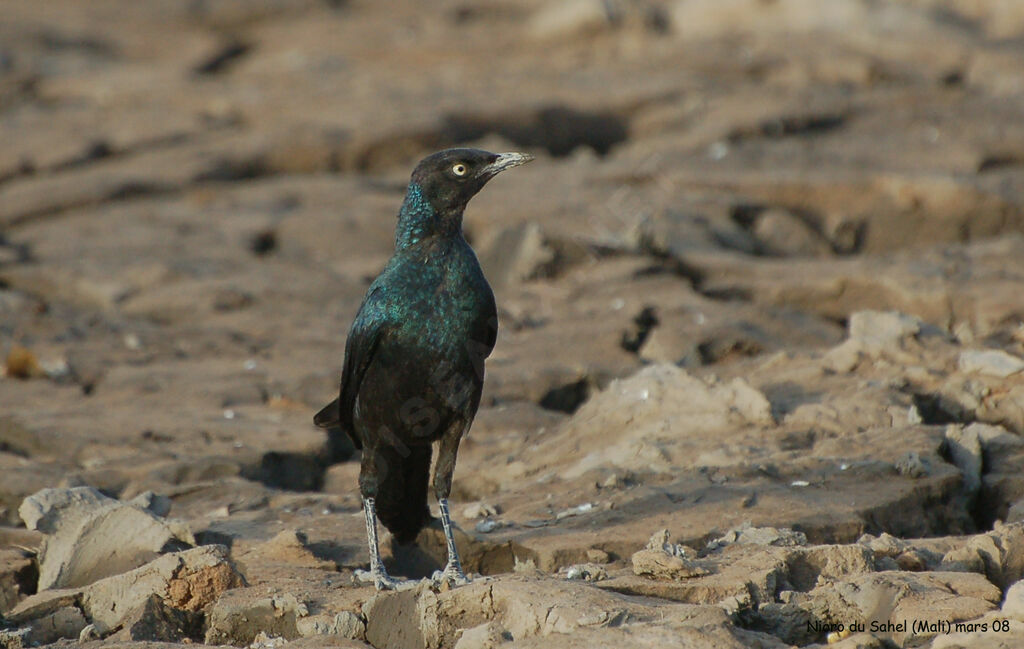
(459, 169)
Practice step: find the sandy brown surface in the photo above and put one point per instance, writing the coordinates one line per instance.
(767, 272)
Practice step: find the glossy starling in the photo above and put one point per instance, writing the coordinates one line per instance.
(414, 360)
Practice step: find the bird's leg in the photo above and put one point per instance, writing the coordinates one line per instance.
(453, 570)
(443, 471)
(377, 574)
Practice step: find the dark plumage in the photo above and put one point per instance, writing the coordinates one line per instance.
(414, 360)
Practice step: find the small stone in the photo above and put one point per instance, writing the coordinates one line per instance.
(1013, 605)
(156, 504)
(155, 621)
(660, 541)
(488, 525)
(782, 233)
(16, 639)
(574, 17)
(1016, 512)
(991, 362)
(733, 604)
(912, 561)
(345, 624)
(885, 545)
(843, 358)
(963, 559)
(586, 572)
(913, 465)
(21, 363)
(747, 533)
(89, 633)
(596, 555)
(574, 511)
(485, 636)
(883, 329)
(480, 510)
(515, 254)
(661, 565)
(67, 622)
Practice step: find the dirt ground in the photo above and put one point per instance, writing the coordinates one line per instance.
(762, 288)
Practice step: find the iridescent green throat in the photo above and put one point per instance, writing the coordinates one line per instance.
(416, 220)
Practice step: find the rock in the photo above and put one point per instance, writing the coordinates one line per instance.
(1015, 514)
(662, 565)
(18, 576)
(155, 621)
(187, 581)
(65, 622)
(991, 362)
(345, 624)
(488, 525)
(747, 533)
(480, 510)
(1013, 603)
(21, 363)
(780, 232)
(529, 609)
(680, 233)
(89, 633)
(154, 503)
(407, 618)
(596, 555)
(586, 572)
(844, 357)
(515, 255)
(854, 641)
(885, 599)
(663, 559)
(737, 576)
(885, 545)
(964, 447)
(660, 541)
(963, 559)
(239, 616)
(90, 536)
(913, 465)
(290, 547)
(815, 565)
(1002, 551)
(566, 19)
(879, 330)
(16, 639)
(633, 412)
(485, 636)
(911, 561)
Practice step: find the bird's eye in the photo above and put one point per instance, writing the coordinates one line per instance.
(459, 169)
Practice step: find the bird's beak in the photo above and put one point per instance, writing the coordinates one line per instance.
(505, 161)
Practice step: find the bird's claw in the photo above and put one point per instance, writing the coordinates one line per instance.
(380, 579)
(451, 575)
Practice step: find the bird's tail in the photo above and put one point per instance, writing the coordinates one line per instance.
(402, 492)
(329, 415)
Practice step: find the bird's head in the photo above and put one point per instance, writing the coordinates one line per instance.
(449, 178)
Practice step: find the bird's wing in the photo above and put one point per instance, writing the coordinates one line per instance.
(368, 329)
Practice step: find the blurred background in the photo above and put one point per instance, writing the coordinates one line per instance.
(194, 196)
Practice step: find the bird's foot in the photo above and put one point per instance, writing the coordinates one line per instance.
(379, 578)
(451, 575)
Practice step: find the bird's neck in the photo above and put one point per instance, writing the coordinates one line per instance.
(419, 220)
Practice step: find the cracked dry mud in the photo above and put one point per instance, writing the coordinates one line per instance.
(761, 363)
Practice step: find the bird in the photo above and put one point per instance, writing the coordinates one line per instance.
(413, 369)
